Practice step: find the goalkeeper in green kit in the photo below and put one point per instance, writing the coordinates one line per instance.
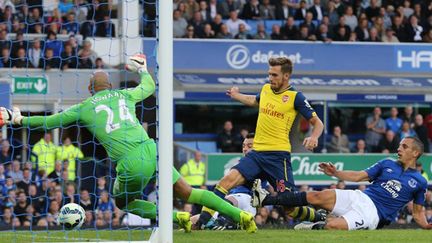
(110, 116)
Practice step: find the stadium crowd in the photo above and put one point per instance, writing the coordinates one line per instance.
(308, 20)
(29, 33)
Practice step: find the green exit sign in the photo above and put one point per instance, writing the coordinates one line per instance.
(30, 85)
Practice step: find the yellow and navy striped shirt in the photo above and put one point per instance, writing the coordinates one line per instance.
(277, 112)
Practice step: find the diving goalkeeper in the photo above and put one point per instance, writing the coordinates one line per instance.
(110, 116)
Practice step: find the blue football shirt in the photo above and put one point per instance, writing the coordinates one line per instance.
(392, 187)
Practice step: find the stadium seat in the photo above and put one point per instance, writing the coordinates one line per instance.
(270, 23)
(253, 24)
(207, 146)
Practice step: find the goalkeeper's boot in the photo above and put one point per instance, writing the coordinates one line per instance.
(310, 226)
(247, 222)
(258, 194)
(320, 215)
(184, 221)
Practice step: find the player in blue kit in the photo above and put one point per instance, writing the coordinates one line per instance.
(394, 184)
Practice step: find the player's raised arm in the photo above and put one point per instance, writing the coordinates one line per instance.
(249, 100)
(14, 117)
(355, 176)
(420, 217)
(147, 86)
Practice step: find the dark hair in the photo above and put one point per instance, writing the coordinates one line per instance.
(284, 62)
(417, 144)
(250, 135)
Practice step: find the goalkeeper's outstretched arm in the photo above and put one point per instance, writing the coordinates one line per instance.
(147, 86)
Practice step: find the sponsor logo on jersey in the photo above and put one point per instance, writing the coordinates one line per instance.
(393, 187)
(389, 170)
(285, 98)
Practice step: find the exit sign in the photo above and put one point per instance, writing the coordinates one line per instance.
(30, 85)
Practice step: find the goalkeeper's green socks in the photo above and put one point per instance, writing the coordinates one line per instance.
(212, 201)
(145, 209)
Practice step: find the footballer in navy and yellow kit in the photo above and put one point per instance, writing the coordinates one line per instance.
(270, 159)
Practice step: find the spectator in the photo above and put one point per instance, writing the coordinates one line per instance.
(399, 28)
(70, 153)
(229, 5)
(419, 168)
(69, 58)
(30, 218)
(406, 130)
(332, 13)
(35, 19)
(69, 195)
(193, 171)
(100, 64)
(224, 33)
(308, 22)
(251, 10)
(85, 61)
(35, 52)
(6, 62)
(304, 34)
(55, 175)
(378, 24)
(8, 218)
(101, 185)
(339, 142)
(45, 151)
(191, 7)
(350, 18)
(2, 177)
(428, 123)
(17, 44)
(276, 34)
(372, 11)
(71, 26)
(289, 30)
(53, 213)
(21, 61)
(342, 35)
(234, 22)
(393, 123)
(16, 174)
(243, 34)
(282, 10)
(407, 10)
(104, 209)
(422, 132)
(267, 10)
(106, 28)
(88, 204)
(190, 32)
(216, 24)
(87, 47)
(26, 180)
(198, 23)
(389, 143)
(5, 153)
(9, 186)
(300, 13)
(208, 32)
(360, 147)
(414, 30)
(340, 7)
(375, 129)
(428, 36)
(340, 185)
(7, 18)
(64, 6)
(21, 206)
(179, 24)
(213, 8)
(226, 140)
(322, 34)
(317, 10)
(261, 33)
(408, 115)
(389, 36)
(4, 42)
(39, 202)
(362, 30)
(54, 44)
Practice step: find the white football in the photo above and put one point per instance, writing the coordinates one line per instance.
(71, 216)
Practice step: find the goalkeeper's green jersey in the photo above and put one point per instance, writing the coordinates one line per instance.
(109, 115)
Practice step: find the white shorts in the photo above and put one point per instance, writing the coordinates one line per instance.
(357, 209)
(244, 202)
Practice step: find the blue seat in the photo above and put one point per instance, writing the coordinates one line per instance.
(207, 146)
(253, 24)
(270, 23)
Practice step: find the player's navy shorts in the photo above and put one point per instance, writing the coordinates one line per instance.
(275, 167)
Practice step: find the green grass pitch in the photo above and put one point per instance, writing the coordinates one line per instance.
(262, 236)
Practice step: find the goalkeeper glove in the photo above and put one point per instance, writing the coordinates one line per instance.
(137, 63)
(13, 116)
